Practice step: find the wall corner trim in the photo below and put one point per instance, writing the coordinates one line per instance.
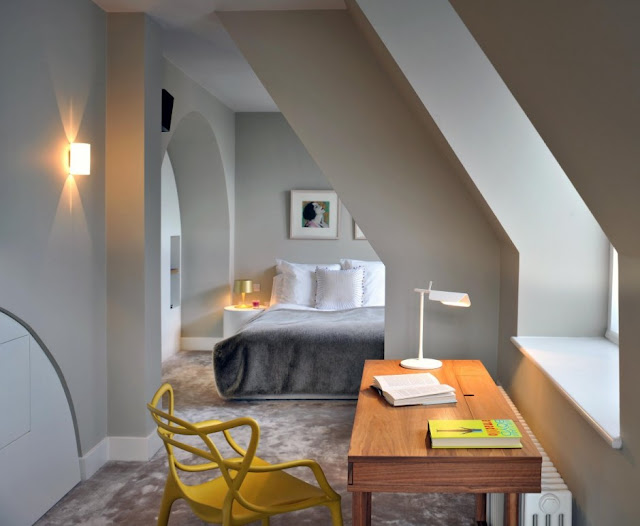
(198, 344)
(129, 449)
(134, 448)
(94, 459)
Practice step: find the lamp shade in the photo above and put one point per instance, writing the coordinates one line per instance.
(454, 299)
(243, 285)
(79, 158)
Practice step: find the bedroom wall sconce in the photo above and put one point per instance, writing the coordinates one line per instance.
(243, 286)
(453, 299)
(79, 158)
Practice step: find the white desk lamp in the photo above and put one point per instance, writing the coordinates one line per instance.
(454, 299)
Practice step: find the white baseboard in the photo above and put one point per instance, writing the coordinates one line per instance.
(612, 337)
(94, 459)
(119, 448)
(134, 448)
(198, 344)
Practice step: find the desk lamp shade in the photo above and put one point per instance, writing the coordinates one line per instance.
(452, 299)
(243, 286)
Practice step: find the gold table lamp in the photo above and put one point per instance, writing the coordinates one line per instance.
(243, 286)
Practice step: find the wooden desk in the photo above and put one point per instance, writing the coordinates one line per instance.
(390, 451)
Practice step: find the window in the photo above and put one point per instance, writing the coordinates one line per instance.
(612, 329)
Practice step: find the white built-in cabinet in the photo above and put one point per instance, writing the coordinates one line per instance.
(38, 451)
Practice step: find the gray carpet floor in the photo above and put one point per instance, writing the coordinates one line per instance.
(130, 492)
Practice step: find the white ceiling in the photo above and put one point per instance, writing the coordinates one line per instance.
(195, 41)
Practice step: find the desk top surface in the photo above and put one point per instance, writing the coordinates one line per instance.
(381, 431)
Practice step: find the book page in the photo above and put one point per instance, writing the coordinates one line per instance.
(417, 391)
(389, 381)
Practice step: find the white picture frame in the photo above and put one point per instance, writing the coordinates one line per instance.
(314, 214)
(357, 232)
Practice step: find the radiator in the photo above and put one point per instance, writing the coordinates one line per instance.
(550, 507)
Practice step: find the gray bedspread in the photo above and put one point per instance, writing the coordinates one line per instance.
(298, 352)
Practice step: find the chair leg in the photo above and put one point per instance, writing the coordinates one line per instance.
(336, 512)
(169, 496)
(265, 521)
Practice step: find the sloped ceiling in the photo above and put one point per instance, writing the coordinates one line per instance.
(573, 68)
(195, 41)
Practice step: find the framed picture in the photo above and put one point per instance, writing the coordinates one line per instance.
(314, 214)
(357, 233)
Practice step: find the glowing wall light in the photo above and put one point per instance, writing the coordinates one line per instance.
(79, 158)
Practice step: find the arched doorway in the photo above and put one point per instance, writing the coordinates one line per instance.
(205, 230)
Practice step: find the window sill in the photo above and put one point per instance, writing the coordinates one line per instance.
(586, 371)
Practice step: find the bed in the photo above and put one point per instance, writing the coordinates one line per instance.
(313, 341)
(295, 353)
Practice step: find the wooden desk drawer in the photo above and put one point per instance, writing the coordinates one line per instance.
(446, 476)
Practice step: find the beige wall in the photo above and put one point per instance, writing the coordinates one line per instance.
(390, 172)
(572, 66)
(132, 221)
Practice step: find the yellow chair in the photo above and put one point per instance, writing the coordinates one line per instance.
(247, 489)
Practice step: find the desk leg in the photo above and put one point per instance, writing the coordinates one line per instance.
(481, 508)
(361, 508)
(511, 511)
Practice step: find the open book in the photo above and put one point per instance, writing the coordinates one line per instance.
(414, 389)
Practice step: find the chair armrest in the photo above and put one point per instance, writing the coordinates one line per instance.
(206, 423)
(216, 426)
(321, 479)
(196, 468)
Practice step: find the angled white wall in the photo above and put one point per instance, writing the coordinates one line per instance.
(563, 271)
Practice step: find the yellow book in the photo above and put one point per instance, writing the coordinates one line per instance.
(474, 434)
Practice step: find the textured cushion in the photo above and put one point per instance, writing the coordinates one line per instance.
(374, 277)
(276, 290)
(339, 289)
(298, 284)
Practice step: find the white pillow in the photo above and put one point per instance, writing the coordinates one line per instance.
(276, 290)
(299, 281)
(374, 277)
(339, 289)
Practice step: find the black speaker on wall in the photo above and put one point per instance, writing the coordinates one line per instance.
(167, 109)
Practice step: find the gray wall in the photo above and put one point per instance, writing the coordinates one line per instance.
(392, 172)
(191, 97)
(204, 214)
(205, 177)
(52, 230)
(579, 88)
(170, 226)
(271, 161)
(133, 221)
